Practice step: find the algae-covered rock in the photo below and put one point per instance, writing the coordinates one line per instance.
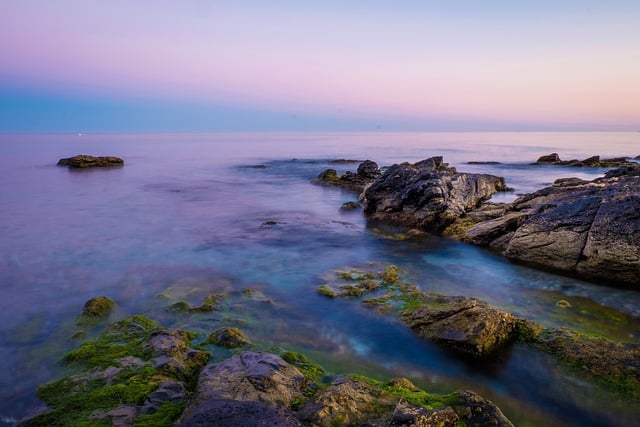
(247, 377)
(347, 401)
(464, 324)
(136, 372)
(618, 364)
(98, 307)
(358, 181)
(228, 337)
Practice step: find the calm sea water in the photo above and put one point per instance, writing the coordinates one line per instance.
(190, 210)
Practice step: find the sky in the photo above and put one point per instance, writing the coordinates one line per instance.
(361, 65)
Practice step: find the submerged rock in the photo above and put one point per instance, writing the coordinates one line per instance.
(98, 307)
(427, 195)
(82, 161)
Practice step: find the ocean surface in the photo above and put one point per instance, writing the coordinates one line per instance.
(237, 211)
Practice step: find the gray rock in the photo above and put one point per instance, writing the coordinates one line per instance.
(591, 162)
(83, 161)
(366, 173)
(248, 377)
(427, 195)
(591, 229)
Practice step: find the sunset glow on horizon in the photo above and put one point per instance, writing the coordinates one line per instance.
(461, 65)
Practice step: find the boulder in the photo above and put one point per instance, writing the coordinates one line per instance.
(463, 324)
(248, 377)
(236, 413)
(428, 195)
(82, 161)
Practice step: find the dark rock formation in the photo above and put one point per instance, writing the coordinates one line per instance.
(428, 194)
(350, 206)
(367, 172)
(237, 413)
(463, 324)
(591, 162)
(587, 228)
(82, 161)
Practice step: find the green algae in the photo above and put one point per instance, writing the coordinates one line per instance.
(228, 337)
(300, 361)
(165, 416)
(115, 370)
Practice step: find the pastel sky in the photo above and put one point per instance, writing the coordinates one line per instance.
(196, 65)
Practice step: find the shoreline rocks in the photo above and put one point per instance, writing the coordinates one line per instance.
(428, 194)
(590, 162)
(590, 229)
(83, 161)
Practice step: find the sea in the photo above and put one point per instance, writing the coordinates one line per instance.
(192, 212)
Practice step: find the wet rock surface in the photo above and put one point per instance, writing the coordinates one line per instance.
(83, 161)
(429, 194)
(463, 324)
(367, 171)
(591, 229)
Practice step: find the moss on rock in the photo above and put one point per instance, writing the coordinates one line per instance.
(228, 337)
(98, 307)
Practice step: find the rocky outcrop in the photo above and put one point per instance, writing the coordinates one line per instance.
(83, 161)
(98, 307)
(366, 173)
(228, 337)
(429, 194)
(463, 324)
(591, 162)
(591, 229)
(257, 389)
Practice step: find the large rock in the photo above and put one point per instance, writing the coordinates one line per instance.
(427, 195)
(82, 161)
(463, 324)
(591, 229)
(249, 377)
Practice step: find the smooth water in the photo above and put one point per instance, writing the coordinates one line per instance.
(238, 211)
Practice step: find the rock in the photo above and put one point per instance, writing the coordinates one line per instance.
(235, 413)
(567, 182)
(463, 324)
(82, 161)
(248, 377)
(614, 361)
(478, 411)
(591, 229)
(168, 391)
(417, 416)
(631, 170)
(549, 158)
(227, 337)
(98, 307)
(591, 162)
(366, 173)
(346, 401)
(349, 206)
(428, 195)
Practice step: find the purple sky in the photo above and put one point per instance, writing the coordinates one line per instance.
(256, 65)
